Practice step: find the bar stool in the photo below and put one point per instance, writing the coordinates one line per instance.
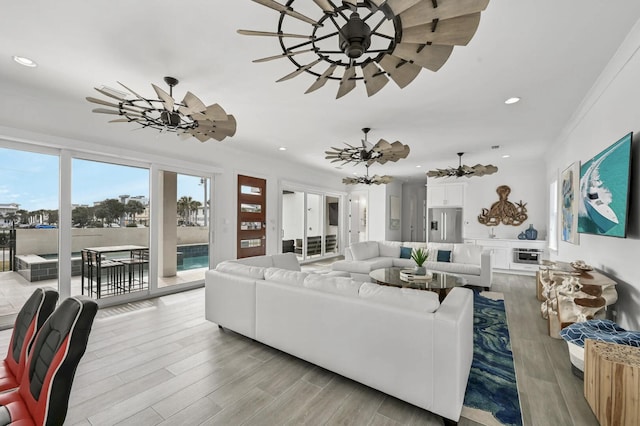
(113, 271)
(135, 267)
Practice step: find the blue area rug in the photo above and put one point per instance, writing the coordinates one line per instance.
(492, 394)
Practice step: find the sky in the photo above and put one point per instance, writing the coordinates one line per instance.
(31, 180)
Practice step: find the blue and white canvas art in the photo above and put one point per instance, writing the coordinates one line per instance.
(570, 184)
(604, 191)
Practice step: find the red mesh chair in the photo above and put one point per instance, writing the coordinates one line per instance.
(43, 395)
(33, 314)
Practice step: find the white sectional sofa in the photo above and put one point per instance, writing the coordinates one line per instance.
(466, 260)
(400, 341)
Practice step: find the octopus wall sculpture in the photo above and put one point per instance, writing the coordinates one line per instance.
(504, 211)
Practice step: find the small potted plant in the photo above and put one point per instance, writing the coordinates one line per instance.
(420, 256)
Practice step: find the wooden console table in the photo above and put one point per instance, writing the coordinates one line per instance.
(566, 307)
(612, 382)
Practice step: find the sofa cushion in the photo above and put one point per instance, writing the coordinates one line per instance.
(286, 261)
(235, 268)
(466, 253)
(432, 249)
(362, 266)
(389, 248)
(264, 261)
(405, 252)
(337, 285)
(444, 256)
(454, 268)
(406, 298)
(404, 263)
(285, 276)
(364, 250)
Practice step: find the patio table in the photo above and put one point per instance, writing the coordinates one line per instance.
(138, 256)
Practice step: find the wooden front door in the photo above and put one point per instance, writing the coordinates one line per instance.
(252, 203)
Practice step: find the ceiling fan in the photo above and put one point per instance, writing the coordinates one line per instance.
(460, 171)
(381, 152)
(190, 117)
(368, 180)
(369, 39)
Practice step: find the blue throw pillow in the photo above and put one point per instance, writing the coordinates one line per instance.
(405, 252)
(444, 255)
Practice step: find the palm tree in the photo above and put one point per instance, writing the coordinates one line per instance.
(134, 207)
(184, 206)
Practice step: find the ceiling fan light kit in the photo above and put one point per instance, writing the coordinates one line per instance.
(463, 170)
(188, 118)
(370, 40)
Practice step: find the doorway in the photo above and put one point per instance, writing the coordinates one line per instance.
(251, 216)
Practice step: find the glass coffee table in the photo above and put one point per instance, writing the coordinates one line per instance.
(440, 281)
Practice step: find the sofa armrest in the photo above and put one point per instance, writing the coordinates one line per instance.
(453, 354)
(486, 267)
(230, 302)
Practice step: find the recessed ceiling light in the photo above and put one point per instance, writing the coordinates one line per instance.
(512, 100)
(418, 166)
(282, 148)
(25, 61)
(506, 156)
(355, 174)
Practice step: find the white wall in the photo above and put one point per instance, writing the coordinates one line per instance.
(377, 212)
(608, 112)
(393, 189)
(527, 183)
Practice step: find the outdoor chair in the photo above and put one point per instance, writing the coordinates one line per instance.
(30, 319)
(109, 275)
(135, 265)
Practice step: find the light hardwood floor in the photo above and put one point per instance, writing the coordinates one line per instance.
(160, 362)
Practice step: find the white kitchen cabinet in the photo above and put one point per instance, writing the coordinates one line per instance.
(448, 195)
(505, 254)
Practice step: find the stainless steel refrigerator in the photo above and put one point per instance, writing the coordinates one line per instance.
(445, 225)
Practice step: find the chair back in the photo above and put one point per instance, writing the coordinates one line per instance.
(29, 320)
(54, 357)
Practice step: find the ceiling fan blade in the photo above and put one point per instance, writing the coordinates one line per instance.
(111, 95)
(271, 34)
(322, 80)
(382, 146)
(399, 6)
(192, 105)
(400, 71)
(135, 94)
(324, 5)
(374, 78)
(425, 13)
(213, 113)
(120, 120)
(105, 111)
(353, 4)
(299, 71)
(456, 31)
(347, 83)
(283, 55)
(431, 57)
(227, 127)
(286, 10)
(166, 99)
(113, 105)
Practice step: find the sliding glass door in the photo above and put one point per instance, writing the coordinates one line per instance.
(29, 223)
(184, 229)
(110, 229)
(310, 223)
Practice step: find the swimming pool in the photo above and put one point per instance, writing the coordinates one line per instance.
(194, 263)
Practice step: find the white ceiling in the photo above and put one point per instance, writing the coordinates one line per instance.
(547, 52)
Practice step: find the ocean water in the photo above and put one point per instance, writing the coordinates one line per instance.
(614, 174)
